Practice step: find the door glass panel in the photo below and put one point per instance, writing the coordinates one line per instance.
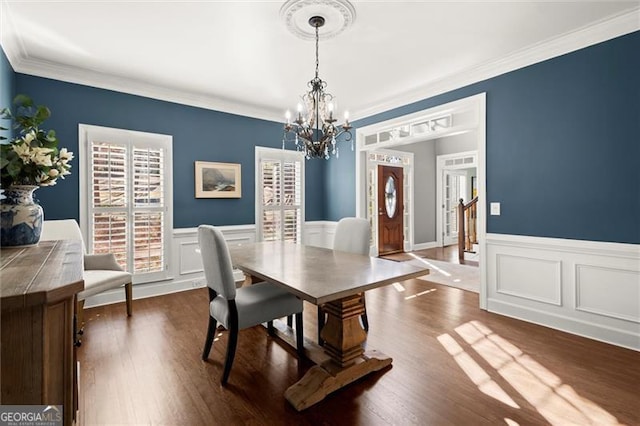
(390, 197)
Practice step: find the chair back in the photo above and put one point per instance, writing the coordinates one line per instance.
(352, 235)
(216, 261)
(65, 229)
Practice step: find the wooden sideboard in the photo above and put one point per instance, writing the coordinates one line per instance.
(38, 288)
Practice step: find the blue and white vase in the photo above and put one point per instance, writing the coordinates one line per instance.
(21, 217)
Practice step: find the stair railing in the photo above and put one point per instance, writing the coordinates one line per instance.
(467, 233)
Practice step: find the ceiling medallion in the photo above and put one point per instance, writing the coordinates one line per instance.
(339, 15)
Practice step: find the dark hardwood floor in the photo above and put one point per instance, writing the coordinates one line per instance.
(454, 364)
(446, 254)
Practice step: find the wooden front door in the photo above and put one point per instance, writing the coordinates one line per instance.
(390, 210)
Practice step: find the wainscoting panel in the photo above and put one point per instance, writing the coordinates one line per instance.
(583, 287)
(608, 291)
(320, 234)
(190, 261)
(529, 278)
(315, 234)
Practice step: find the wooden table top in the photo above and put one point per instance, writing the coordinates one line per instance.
(43, 273)
(315, 274)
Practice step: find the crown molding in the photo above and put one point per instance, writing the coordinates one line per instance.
(607, 29)
(601, 31)
(133, 86)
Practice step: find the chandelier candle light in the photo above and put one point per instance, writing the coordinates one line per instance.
(313, 131)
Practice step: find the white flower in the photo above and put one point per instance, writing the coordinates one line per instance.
(41, 156)
(65, 155)
(24, 151)
(29, 136)
(54, 172)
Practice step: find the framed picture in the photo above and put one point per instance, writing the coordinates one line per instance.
(218, 180)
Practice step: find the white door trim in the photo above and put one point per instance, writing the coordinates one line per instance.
(440, 168)
(477, 104)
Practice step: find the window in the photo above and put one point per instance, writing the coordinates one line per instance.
(280, 194)
(126, 198)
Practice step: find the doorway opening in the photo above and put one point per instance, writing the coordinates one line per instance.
(449, 132)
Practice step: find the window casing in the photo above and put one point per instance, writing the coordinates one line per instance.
(279, 195)
(126, 198)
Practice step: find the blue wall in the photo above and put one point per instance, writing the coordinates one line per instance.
(563, 146)
(7, 91)
(198, 134)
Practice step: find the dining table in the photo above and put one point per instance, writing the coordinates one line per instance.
(335, 281)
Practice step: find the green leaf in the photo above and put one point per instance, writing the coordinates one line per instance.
(13, 168)
(23, 100)
(42, 113)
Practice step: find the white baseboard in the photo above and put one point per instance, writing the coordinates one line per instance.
(424, 246)
(143, 291)
(589, 329)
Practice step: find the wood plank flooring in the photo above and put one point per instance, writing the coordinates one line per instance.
(454, 364)
(445, 254)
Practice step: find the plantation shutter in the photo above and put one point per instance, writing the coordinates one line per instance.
(280, 195)
(109, 195)
(129, 210)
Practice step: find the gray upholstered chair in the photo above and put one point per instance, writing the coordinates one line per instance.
(352, 235)
(101, 271)
(237, 309)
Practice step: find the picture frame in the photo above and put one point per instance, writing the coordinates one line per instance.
(218, 180)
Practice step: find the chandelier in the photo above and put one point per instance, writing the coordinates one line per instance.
(313, 131)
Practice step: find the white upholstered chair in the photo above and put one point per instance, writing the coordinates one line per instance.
(237, 309)
(352, 235)
(101, 271)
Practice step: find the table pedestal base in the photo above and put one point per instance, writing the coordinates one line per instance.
(321, 380)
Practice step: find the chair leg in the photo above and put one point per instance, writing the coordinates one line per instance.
(321, 321)
(211, 333)
(270, 329)
(231, 352)
(363, 317)
(128, 290)
(290, 321)
(299, 335)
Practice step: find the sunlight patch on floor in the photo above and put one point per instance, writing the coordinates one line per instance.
(432, 266)
(422, 293)
(556, 401)
(474, 371)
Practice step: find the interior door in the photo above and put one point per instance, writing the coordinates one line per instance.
(454, 188)
(390, 210)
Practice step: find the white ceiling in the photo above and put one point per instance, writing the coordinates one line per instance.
(238, 56)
